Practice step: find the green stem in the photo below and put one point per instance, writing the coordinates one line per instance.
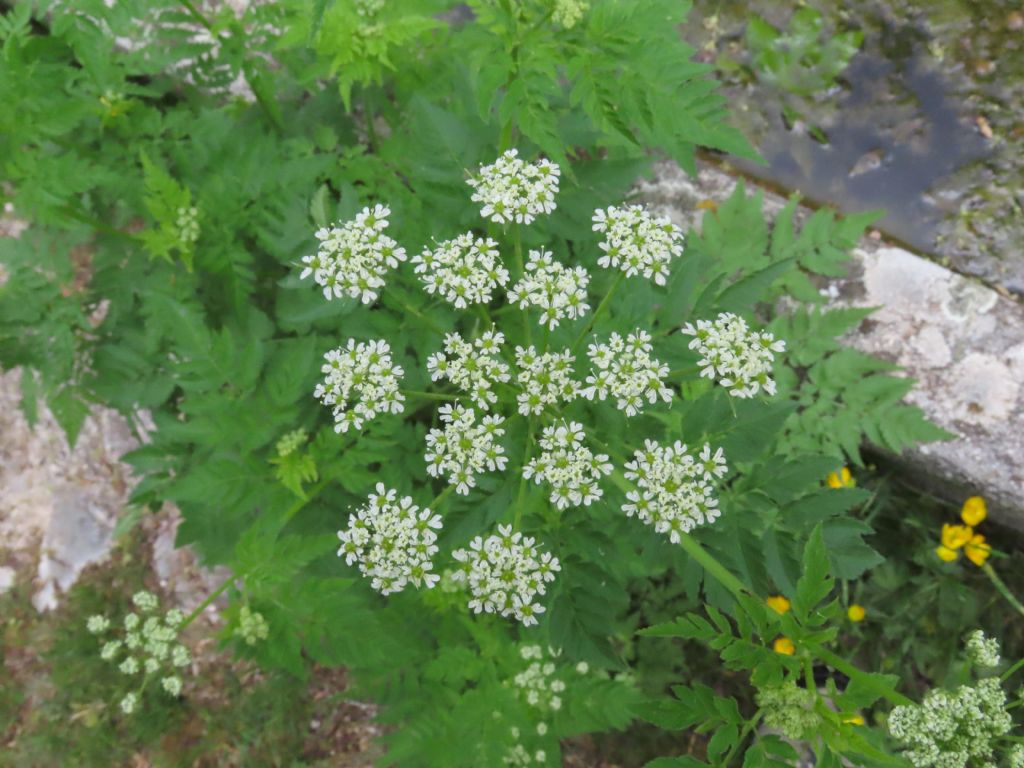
(747, 728)
(371, 130)
(1000, 585)
(432, 506)
(402, 304)
(1009, 673)
(429, 395)
(210, 598)
(518, 240)
(197, 15)
(842, 665)
(522, 478)
(600, 309)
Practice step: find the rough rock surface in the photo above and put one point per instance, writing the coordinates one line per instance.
(963, 342)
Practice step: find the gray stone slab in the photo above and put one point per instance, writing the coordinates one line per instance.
(962, 341)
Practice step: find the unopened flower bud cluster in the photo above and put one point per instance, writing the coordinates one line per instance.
(505, 573)
(462, 271)
(464, 448)
(637, 243)
(187, 222)
(560, 292)
(568, 466)
(146, 645)
(790, 709)
(361, 381)
(252, 627)
(674, 487)
(290, 442)
(472, 367)
(738, 357)
(625, 370)
(352, 259)
(393, 541)
(982, 651)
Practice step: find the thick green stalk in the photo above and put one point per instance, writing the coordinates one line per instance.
(599, 311)
(1004, 590)
(210, 598)
(522, 478)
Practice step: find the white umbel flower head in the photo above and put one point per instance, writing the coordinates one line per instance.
(393, 541)
(568, 466)
(546, 379)
(361, 381)
(741, 359)
(504, 573)
(464, 448)
(353, 258)
(560, 292)
(539, 684)
(636, 242)
(624, 369)
(462, 271)
(674, 488)
(473, 368)
(514, 190)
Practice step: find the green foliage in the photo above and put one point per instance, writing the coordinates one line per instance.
(121, 293)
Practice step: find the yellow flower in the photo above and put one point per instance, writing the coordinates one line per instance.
(784, 646)
(856, 612)
(974, 511)
(977, 550)
(947, 554)
(854, 720)
(840, 479)
(955, 536)
(778, 603)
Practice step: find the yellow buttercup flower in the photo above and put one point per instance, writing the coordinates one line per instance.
(974, 511)
(856, 612)
(977, 550)
(947, 554)
(854, 720)
(840, 479)
(955, 536)
(778, 603)
(784, 646)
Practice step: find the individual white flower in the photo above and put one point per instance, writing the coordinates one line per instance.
(361, 381)
(505, 573)
(741, 359)
(542, 729)
(568, 466)
(473, 368)
(674, 488)
(97, 624)
(582, 668)
(982, 651)
(560, 292)
(128, 703)
(462, 271)
(393, 542)
(624, 369)
(545, 379)
(464, 448)
(636, 242)
(513, 190)
(352, 259)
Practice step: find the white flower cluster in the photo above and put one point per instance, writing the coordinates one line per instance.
(352, 259)
(473, 368)
(675, 493)
(146, 646)
(393, 542)
(626, 371)
(188, 225)
(741, 359)
(520, 756)
(560, 292)
(514, 190)
(546, 379)
(462, 271)
(636, 242)
(504, 573)
(464, 448)
(982, 651)
(1016, 756)
(571, 469)
(538, 684)
(950, 729)
(363, 373)
(568, 12)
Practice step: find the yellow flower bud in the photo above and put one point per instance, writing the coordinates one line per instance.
(854, 720)
(974, 511)
(778, 603)
(947, 554)
(977, 550)
(955, 536)
(856, 612)
(784, 646)
(840, 479)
